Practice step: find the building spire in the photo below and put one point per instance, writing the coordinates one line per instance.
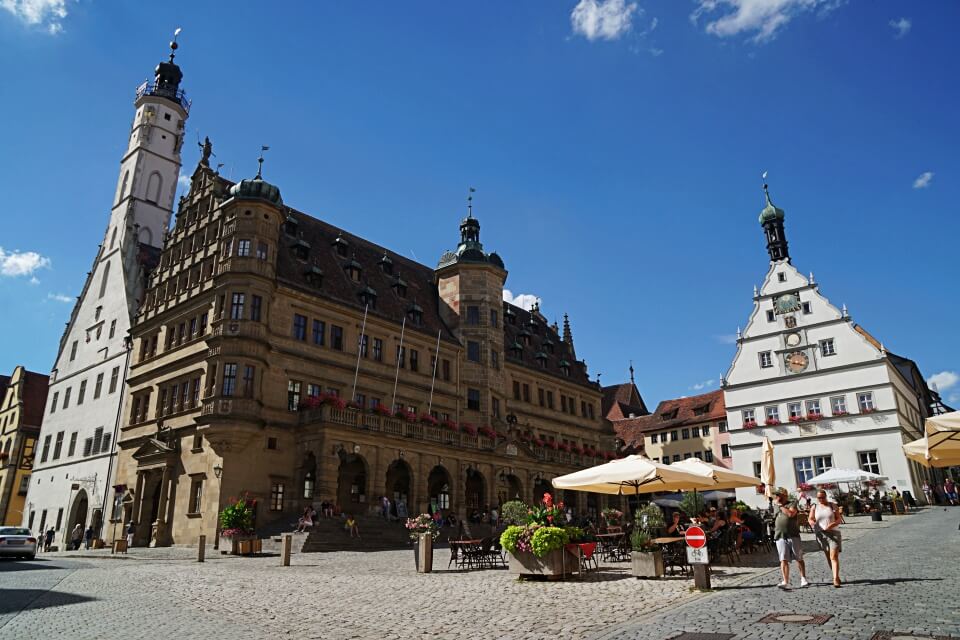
(260, 161)
(631, 373)
(470, 193)
(771, 219)
(173, 43)
(568, 335)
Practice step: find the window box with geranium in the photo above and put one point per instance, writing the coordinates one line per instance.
(403, 414)
(796, 419)
(813, 417)
(771, 422)
(538, 547)
(429, 420)
(466, 427)
(750, 424)
(382, 410)
(488, 432)
(553, 444)
(538, 442)
(565, 447)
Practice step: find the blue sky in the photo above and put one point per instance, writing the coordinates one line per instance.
(616, 148)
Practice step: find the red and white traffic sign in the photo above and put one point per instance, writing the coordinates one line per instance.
(696, 538)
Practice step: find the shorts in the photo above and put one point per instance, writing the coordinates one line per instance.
(790, 549)
(829, 540)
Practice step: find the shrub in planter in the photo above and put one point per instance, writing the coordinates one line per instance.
(649, 518)
(692, 503)
(514, 512)
(236, 519)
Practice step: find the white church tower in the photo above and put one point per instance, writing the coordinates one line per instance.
(826, 393)
(76, 452)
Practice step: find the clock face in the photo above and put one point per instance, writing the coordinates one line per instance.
(793, 339)
(786, 303)
(797, 361)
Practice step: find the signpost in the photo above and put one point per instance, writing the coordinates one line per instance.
(698, 556)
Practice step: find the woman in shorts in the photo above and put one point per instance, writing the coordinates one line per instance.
(825, 521)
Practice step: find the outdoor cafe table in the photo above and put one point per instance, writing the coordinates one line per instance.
(470, 551)
(608, 544)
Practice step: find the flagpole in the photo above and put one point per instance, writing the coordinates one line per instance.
(396, 377)
(356, 372)
(433, 381)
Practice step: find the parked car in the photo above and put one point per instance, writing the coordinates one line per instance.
(17, 542)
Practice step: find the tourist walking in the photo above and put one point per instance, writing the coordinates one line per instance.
(88, 537)
(131, 529)
(928, 493)
(825, 519)
(48, 539)
(950, 491)
(786, 534)
(76, 536)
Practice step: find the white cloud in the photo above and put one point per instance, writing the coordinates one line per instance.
(726, 338)
(603, 19)
(763, 18)
(944, 380)
(923, 181)
(522, 300)
(700, 386)
(901, 26)
(48, 14)
(183, 180)
(19, 263)
(59, 297)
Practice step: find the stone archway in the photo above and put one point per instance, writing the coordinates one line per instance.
(510, 488)
(78, 513)
(352, 483)
(399, 482)
(439, 488)
(475, 490)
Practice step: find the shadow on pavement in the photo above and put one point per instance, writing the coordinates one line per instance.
(10, 565)
(15, 600)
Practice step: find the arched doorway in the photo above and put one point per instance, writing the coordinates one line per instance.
(475, 490)
(78, 513)
(398, 488)
(438, 488)
(513, 489)
(541, 487)
(352, 482)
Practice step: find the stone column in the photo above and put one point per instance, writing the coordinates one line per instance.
(137, 499)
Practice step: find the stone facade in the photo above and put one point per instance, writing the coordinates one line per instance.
(259, 325)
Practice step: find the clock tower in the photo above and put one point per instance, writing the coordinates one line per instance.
(821, 388)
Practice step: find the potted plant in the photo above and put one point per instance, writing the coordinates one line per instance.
(514, 512)
(236, 525)
(613, 517)
(692, 504)
(423, 530)
(646, 558)
(539, 547)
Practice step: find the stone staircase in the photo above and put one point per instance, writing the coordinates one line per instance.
(376, 534)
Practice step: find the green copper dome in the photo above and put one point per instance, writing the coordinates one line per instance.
(257, 189)
(770, 212)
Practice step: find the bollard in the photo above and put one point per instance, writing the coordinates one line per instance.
(202, 548)
(286, 548)
(701, 576)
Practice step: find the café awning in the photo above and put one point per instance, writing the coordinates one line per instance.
(633, 475)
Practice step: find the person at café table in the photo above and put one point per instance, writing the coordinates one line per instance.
(675, 528)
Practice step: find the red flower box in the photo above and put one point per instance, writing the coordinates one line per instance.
(813, 417)
(538, 442)
(837, 414)
(565, 446)
(409, 416)
(771, 422)
(868, 410)
(428, 419)
(750, 424)
(488, 432)
(553, 444)
(468, 428)
(796, 419)
(382, 410)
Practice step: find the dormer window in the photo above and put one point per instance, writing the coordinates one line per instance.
(517, 349)
(314, 276)
(368, 297)
(301, 249)
(290, 226)
(541, 358)
(565, 368)
(669, 415)
(353, 270)
(701, 410)
(415, 313)
(510, 315)
(386, 265)
(400, 287)
(524, 336)
(549, 346)
(341, 246)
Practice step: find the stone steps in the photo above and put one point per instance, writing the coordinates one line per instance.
(329, 534)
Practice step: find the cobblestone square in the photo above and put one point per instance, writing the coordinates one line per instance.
(900, 575)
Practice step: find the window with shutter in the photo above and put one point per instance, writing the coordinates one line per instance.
(87, 446)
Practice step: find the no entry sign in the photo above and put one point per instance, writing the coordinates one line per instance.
(696, 538)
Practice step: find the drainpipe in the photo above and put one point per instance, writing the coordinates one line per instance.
(128, 344)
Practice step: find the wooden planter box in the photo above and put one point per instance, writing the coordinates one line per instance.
(557, 563)
(646, 564)
(240, 545)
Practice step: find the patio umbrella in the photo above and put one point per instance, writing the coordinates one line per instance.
(836, 476)
(919, 451)
(723, 478)
(633, 474)
(767, 471)
(943, 438)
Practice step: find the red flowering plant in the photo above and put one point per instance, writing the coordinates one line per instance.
(524, 437)
(796, 419)
(488, 432)
(576, 448)
(837, 414)
(311, 402)
(543, 532)
(428, 419)
(538, 442)
(403, 414)
(805, 486)
(813, 417)
(467, 428)
(565, 446)
(553, 444)
(382, 410)
(750, 424)
(236, 519)
(771, 422)
(868, 410)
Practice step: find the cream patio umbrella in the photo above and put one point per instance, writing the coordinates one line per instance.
(723, 478)
(943, 438)
(634, 474)
(767, 471)
(920, 451)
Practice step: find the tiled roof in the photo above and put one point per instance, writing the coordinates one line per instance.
(337, 284)
(34, 398)
(621, 400)
(672, 414)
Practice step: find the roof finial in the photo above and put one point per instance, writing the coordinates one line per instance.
(844, 312)
(173, 43)
(470, 202)
(766, 191)
(631, 373)
(260, 161)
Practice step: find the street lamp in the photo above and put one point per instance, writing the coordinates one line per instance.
(218, 472)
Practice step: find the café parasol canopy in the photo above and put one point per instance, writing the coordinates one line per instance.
(768, 472)
(723, 478)
(634, 475)
(941, 445)
(837, 476)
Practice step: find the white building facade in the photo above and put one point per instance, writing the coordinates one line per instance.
(824, 391)
(76, 451)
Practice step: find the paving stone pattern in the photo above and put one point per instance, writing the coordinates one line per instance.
(165, 593)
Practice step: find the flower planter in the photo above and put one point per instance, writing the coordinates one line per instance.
(555, 564)
(238, 545)
(646, 564)
(423, 553)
